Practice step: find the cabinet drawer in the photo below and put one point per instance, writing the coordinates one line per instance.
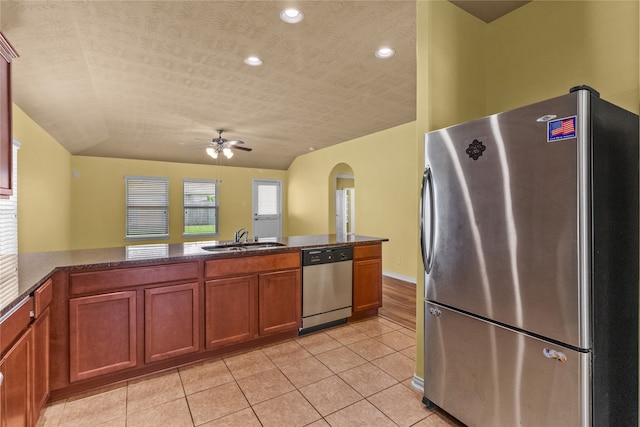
(108, 280)
(251, 265)
(367, 251)
(14, 323)
(42, 297)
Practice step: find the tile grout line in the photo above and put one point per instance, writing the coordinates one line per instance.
(344, 344)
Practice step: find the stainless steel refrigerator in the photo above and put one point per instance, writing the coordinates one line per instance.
(529, 230)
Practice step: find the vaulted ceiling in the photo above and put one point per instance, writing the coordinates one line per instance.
(144, 79)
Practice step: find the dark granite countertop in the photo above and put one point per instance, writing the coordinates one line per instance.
(35, 268)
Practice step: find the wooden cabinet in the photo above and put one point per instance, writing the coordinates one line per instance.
(367, 280)
(16, 369)
(265, 300)
(131, 321)
(24, 365)
(41, 351)
(7, 54)
(102, 334)
(41, 332)
(171, 321)
(16, 366)
(128, 317)
(280, 302)
(230, 310)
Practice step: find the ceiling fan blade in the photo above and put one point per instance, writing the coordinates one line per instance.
(236, 142)
(201, 145)
(203, 140)
(237, 147)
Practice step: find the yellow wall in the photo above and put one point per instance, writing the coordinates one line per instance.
(546, 47)
(59, 212)
(536, 52)
(44, 192)
(386, 195)
(98, 197)
(451, 88)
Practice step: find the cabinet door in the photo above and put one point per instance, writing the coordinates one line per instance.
(367, 284)
(280, 302)
(41, 328)
(102, 334)
(16, 369)
(6, 141)
(5, 128)
(230, 310)
(171, 319)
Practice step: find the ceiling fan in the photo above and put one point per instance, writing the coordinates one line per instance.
(221, 145)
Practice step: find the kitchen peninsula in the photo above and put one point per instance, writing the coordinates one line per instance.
(85, 319)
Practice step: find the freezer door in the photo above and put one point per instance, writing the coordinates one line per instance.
(488, 375)
(502, 220)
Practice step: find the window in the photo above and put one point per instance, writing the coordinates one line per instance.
(147, 208)
(267, 208)
(9, 286)
(200, 207)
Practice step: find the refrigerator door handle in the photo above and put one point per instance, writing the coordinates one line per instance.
(426, 220)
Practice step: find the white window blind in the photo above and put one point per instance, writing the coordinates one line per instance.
(9, 239)
(267, 199)
(200, 202)
(147, 207)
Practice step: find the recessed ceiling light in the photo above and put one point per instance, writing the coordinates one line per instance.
(254, 61)
(291, 16)
(385, 52)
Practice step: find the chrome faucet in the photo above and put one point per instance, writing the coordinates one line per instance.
(240, 234)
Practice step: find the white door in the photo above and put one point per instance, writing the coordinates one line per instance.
(350, 209)
(267, 208)
(345, 211)
(341, 217)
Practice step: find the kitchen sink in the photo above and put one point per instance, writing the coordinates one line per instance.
(264, 245)
(234, 247)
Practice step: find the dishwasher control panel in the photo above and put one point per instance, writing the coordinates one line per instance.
(327, 255)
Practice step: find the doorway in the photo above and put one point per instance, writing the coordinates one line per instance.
(267, 208)
(345, 204)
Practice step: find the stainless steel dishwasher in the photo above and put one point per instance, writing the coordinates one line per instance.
(326, 287)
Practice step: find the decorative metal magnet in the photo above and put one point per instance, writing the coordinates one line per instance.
(475, 149)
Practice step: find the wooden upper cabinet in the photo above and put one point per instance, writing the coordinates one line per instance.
(7, 54)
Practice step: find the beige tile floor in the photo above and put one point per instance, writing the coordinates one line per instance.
(352, 375)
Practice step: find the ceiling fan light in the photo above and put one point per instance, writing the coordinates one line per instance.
(227, 152)
(291, 16)
(212, 152)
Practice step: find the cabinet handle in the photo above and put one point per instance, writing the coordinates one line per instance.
(1, 378)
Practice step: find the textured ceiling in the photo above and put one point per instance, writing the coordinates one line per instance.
(142, 79)
(138, 79)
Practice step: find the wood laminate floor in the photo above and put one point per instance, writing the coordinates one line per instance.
(399, 302)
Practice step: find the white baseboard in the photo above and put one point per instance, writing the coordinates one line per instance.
(418, 383)
(400, 277)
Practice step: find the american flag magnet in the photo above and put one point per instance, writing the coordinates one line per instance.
(561, 129)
